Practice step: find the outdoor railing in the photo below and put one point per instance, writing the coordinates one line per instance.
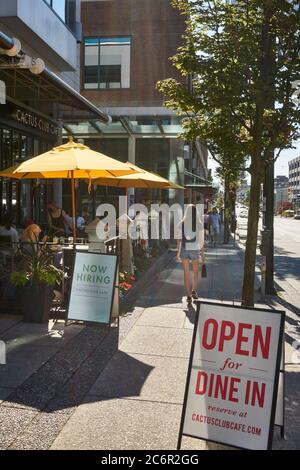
(113, 246)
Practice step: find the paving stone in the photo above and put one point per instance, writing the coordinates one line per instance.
(161, 316)
(158, 341)
(21, 364)
(12, 422)
(127, 321)
(8, 321)
(5, 392)
(292, 412)
(80, 383)
(190, 318)
(40, 387)
(41, 431)
(142, 377)
(121, 425)
(133, 401)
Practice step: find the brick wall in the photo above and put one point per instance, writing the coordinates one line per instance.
(156, 30)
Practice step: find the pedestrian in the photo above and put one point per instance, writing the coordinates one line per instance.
(206, 223)
(215, 226)
(191, 249)
(57, 219)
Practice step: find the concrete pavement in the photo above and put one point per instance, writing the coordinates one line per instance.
(136, 402)
(91, 388)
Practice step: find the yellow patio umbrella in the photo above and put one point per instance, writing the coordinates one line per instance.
(69, 161)
(140, 179)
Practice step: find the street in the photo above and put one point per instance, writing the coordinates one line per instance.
(287, 252)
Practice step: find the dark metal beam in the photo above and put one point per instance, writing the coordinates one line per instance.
(126, 125)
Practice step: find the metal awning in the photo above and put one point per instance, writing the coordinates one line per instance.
(197, 181)
(124, 126)
(46, 92)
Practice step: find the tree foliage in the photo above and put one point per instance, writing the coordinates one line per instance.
(223, 53)
(243, 58)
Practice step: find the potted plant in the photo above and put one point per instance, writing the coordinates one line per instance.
(126, 281)
(36, 277)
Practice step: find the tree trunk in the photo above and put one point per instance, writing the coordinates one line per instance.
(257, 163)
(251, 244)
(226, 211)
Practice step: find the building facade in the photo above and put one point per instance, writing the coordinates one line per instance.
(294, 182)
(281, 193)
(39, 77)
(125, 51)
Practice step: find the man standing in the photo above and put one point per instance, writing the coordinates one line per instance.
(215, 225)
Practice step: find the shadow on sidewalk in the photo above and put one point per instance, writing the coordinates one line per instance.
(66, 376)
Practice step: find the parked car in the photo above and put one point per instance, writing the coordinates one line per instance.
(297, 215)
(288, 213)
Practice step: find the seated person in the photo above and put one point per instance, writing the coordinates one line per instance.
(57, 219)
(81, 224)
(7, 230)
(31, 237)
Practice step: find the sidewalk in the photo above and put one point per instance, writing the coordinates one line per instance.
(136, 402)
(95, 388)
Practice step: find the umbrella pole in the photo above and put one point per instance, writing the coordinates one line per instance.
(73, 206)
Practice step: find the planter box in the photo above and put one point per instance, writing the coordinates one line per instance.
(9, 299)
(36, 303)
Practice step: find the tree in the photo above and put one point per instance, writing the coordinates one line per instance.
(247, 198)
(243, 58)
(230, 177)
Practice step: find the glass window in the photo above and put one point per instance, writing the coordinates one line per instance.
(59, 6)
(107, 63)
(91, 69)
(144, 125)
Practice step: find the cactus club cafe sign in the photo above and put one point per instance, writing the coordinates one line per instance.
(34, 121)
(233, 375)
(93, 286)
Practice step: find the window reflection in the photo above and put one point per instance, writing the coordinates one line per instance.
(107, 63)
(59, 6)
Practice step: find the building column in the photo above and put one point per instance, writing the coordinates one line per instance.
(131, 159)
(176, 171)
(57, 184)
(127, 248)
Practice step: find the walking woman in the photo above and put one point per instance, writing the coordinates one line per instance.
(191, 249)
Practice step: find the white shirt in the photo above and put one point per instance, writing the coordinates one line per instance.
(12, 233)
